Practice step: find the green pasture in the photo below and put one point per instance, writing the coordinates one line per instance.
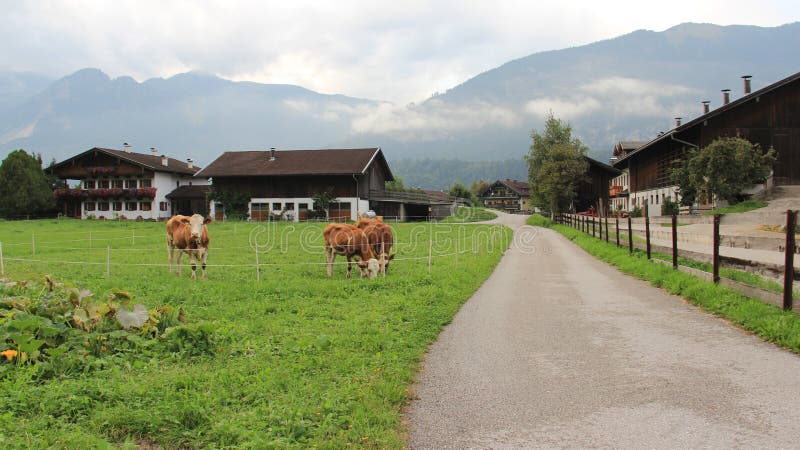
(298, 359)
(466, 214)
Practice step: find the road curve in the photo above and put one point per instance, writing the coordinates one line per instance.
(559, 349)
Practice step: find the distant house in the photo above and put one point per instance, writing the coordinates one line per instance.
(507, 195)
(125, 184)
(768, 117)
(619, 190)
(284, 182)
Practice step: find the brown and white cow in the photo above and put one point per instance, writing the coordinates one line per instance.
(351, 242)
(188, 234)
(381, 239)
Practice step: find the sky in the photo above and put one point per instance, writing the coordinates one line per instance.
(398, 51)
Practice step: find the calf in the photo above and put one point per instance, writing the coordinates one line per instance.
(189, 235)
(351, 242)
(380, 239)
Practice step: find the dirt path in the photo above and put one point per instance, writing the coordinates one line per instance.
(559, 349)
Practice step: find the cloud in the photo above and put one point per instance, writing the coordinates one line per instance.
(433, 120)
(568, 109)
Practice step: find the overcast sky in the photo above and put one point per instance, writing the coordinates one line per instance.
(401, 51)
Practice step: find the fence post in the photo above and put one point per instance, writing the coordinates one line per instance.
(616, 227)
(593, 231)
(108, 261)
(715, 254)
(788, 271)
(606, 219)
(2, 267)
(258, 268)
(630, 235)
(647, 227)
(674, 240)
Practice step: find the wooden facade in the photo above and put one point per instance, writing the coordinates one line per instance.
(507, 195)
(593, 191)
(769, 117)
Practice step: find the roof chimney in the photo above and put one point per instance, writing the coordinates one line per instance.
(726, 96)
(153, 151)
(746, 79)
(678, 121)
(190, 163)
(127, 147)
(164, 160)
(272, 154)
(705, 106)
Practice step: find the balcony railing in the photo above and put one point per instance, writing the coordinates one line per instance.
(105, 193)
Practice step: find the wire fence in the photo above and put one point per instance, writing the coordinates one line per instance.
(251, 246)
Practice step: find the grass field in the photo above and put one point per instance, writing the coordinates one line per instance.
(465, 214)
(298, 359)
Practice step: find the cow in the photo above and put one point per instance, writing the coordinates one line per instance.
(188, 234)
(380, 238)
(351, 242)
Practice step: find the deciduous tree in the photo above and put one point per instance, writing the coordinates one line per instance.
(24, 187)
(556, 166)
(723, 169)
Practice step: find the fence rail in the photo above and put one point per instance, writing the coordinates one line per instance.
(787, 271)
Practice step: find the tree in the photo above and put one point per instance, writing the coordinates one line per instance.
(478, 187)
(24, 187)
(234, 202)
(724, 169)
(556, 166)
(396, 185)
(459, 190)
(322, 204)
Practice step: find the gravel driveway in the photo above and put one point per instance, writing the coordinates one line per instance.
(559, 349)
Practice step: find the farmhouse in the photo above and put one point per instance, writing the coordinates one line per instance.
(768, 117)
(508, 195)
(125, 184)
(619, 191)
(284, 183)
(593, 190)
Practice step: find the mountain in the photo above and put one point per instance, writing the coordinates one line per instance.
(17, 87)
(626, 88)
(189, 115)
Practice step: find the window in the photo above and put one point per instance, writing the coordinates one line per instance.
(102, 206)
(276, 206)
(302, 205)
(88, 206)
(116, 184)
(117, 206)
(289, 206)
(88, 184)
(163, 206)
(145, 183)
(130, 184)
(130, 206)
(102, 184)
(145, 206)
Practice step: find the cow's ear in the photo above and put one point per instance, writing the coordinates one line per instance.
(391, 257)
(185, 219)
(207, 221)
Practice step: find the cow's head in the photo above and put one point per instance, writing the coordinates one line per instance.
(369, 268)
(383, 262)
(196, 223)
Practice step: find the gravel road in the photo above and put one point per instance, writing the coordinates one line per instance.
(559, 349)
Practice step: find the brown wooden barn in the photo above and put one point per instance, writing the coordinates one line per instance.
(593, 191)
(769, 117)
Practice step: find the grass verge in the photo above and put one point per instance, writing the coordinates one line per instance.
(770, 323)
(747, 205)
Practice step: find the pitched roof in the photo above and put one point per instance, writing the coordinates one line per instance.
(354, 161)
(152, 162)
(197, 191)
(602, 166)
(753, 96)
(521, 188)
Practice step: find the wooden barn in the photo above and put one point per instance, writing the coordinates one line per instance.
(593, 192)
(129, 185)
(769, 117)
(283, 183)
